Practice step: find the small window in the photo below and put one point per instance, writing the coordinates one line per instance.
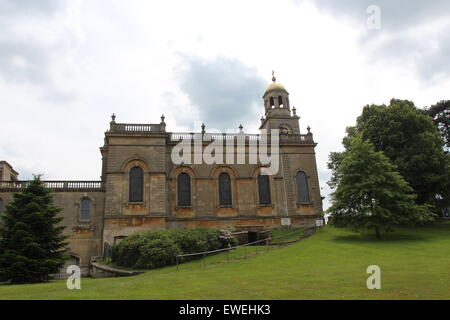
(85, 210)
(280, 101)
(184, 189)
(136, 185)
(302, 187)
(264, 189)
(224, 189)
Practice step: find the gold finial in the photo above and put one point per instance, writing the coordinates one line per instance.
(273, 76)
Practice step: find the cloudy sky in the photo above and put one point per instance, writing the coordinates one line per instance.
(66, 66)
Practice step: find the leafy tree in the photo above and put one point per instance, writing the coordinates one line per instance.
(410, 140)
(371, 194)
(31, 243)
(440, 112)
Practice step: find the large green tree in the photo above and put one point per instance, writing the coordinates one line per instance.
(410, 139)
(440, 112)
(32, 245)
(370, 193)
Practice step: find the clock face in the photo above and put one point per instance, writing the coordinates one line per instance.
(285, 129)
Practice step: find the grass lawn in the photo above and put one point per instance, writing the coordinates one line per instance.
(415, 264)
(285, 235)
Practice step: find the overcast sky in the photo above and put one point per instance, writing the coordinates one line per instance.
(66, 66)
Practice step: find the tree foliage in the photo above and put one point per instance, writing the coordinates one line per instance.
(409, 138)
(370, 193)
(440, 112)
(31, 241)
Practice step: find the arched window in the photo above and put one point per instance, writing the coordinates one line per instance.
(184, 189)
(224, 189)
(85, 209)
(280, 101)
(302, 187)
(271, 102)
(264, 189)
(136, 185)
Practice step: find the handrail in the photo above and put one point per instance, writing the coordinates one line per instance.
(223, 249)
(204, 253)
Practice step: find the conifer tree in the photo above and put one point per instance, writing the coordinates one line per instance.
(32, 245)
(371, 194)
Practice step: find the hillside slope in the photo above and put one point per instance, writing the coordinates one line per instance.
(415, 264)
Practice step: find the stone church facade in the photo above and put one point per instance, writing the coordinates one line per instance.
(141, 189)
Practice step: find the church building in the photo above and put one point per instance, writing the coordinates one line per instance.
(142, 189)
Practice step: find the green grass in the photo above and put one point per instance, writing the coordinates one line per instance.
(285, 235)
(415, 264)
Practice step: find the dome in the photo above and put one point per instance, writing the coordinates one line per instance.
(274, 86)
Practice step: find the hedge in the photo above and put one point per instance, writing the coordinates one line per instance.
(159, 248)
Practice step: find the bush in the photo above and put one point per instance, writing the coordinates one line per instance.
(160, 248)
(157, 253)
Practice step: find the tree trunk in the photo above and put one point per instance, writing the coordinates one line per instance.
(377, 232)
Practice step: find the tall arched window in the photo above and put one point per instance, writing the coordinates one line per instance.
(271, 102)
(184, 189)
(136, 185)
(302, 187)
(264, 189)
(85, 209)
(280, 101)
(224, 189)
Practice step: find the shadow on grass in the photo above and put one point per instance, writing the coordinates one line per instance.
(367, 237)
(405, 234)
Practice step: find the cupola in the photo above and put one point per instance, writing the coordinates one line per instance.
(276, 96)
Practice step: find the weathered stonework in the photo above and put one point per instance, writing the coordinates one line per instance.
(149, 146)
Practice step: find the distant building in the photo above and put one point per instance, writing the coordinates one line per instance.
(141, 189)
(7, 173)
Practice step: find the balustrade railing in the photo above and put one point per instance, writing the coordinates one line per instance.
(295, 138)
(178, 136)
(55, 185)
(137, 127)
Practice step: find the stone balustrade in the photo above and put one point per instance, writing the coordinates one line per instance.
(55, 185)
(137, 128)
(297, 138)
(178, 136)
(292, 138)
